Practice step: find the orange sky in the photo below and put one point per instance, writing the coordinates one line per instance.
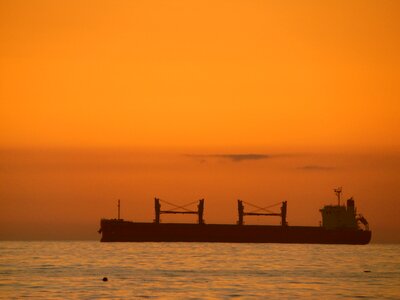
(88, 87)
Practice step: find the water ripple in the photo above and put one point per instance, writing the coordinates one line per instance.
(60, 270)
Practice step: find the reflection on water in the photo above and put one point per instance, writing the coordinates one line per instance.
(197, 270)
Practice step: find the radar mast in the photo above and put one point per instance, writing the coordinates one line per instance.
(338, 191)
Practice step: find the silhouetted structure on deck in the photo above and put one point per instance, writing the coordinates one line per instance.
(184, 210)
(242, 213)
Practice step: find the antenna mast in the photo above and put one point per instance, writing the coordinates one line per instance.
(119, 209)
(338, 191)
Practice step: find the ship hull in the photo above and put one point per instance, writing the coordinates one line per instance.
(125, 231)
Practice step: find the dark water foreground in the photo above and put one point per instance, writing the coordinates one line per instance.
(62, 270)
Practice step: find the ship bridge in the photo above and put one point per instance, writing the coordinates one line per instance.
(342, 216)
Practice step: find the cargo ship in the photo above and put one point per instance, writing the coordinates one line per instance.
(340, 225)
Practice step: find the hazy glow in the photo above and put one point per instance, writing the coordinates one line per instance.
(63, 194)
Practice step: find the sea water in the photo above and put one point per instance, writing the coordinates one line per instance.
(65, 270)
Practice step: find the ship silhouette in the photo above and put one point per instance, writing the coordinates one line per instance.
(340, 225)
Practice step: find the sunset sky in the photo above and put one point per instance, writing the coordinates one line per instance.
(101, 100)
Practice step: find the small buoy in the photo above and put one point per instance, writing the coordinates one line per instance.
(105, 279)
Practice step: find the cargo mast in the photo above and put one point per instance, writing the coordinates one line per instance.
(265, 211)
(180, 210)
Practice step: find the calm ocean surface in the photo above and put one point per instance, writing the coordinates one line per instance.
(62, 270)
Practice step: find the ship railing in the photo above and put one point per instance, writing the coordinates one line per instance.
(360, 218)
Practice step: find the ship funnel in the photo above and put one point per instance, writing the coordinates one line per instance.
(350, 202)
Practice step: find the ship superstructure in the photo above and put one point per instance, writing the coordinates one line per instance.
(341, 216)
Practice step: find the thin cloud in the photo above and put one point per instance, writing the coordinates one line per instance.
(232, 157)
(242, 157)
(315, 168)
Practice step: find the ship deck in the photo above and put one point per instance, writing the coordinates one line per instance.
(126, 231)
